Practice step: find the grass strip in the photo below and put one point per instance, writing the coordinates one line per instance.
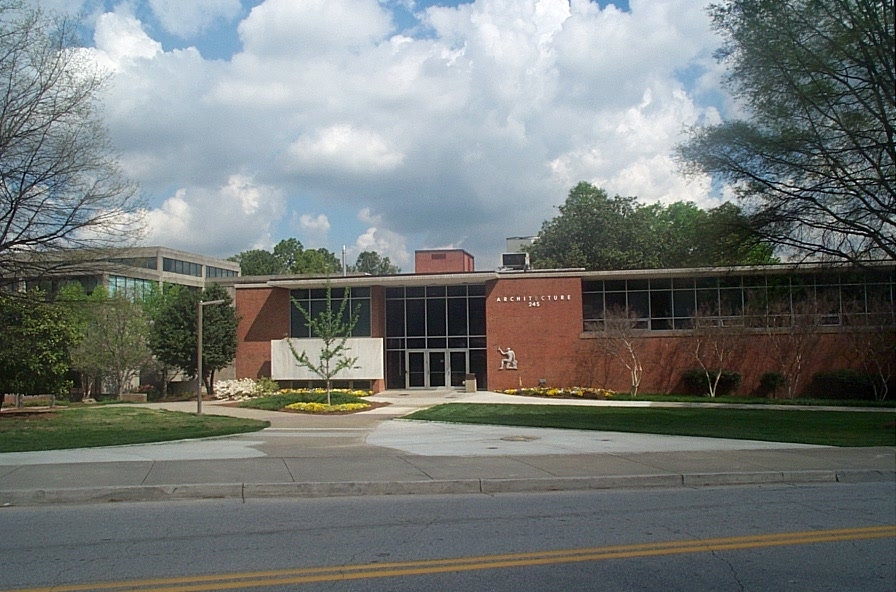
(831, 428)
(88, 427)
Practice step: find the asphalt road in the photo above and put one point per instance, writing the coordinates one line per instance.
(751, 538)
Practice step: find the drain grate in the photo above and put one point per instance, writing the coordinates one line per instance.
(520, 438)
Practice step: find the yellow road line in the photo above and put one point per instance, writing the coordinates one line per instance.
(407, 568)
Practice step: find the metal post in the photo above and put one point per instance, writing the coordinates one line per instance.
(199, 351)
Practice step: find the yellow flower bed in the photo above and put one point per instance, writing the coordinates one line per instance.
(583, 393)
(324, 408)
(317, 391)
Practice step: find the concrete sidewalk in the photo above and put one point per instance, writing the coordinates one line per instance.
(373, 453)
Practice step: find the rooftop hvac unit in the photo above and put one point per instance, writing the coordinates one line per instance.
(515, 261)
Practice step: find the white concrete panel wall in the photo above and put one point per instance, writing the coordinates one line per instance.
(368, 350)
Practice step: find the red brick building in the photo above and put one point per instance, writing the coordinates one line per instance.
(513, 328)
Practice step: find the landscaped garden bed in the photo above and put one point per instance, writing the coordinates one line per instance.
(313, 401)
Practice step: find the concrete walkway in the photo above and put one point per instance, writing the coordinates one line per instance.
(375, 453)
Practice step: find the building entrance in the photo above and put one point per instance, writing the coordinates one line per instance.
(436, 368)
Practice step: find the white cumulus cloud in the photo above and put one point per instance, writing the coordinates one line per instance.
(191, 17)
(343, 148)
(222, 222)
(464, 130)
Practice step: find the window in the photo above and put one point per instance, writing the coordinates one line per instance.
(315, 302)
(181, 267)
(132, 288)
(141, 262)
(212, 272)
(670, 304)
(435, 318)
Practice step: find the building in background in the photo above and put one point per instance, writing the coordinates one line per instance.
(133, 270)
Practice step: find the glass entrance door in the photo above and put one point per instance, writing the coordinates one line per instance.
(457, 363)
(416, 376)
(438, 365)
(436, 368)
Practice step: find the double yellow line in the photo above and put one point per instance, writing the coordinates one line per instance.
(410, 568)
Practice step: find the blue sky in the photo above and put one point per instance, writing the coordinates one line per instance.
(395, 125)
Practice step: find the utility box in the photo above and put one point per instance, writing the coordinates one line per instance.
(515, 261)
(470, 383)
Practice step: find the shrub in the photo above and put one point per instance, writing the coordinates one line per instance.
(842, 384)
(267, 385)
(697, 383)
(770, 382)
(237, 389)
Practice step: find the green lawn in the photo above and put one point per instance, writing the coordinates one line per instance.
(834, 428)
(111, 425)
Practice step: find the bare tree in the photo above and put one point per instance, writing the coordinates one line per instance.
(872, 338)
(60, 184)
(619, 335)
(791, 326)
(716, 340)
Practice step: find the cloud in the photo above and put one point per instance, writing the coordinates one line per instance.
(287, 28)
(119, 36)
(312, 230)
(185, 19)
(223, 222)
(341, 148)
(462, 131)
(385, 242)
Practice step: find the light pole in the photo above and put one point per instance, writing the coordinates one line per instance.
(199, 351)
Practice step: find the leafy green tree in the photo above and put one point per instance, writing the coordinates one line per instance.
(115, 340)
(373, 263)
(288, 257)
(687, 236)
(814, 161)
(257, 262)
(318, 262)
(60, 184)
(35, 339)
(174, 327)
(333, 328)
(290, 254)
(154, 303)
(597, 232)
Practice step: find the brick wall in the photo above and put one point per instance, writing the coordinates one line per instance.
(443, 261)
(264, 315)
(666, 357)
(541, 320)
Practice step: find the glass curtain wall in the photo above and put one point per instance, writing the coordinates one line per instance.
(315, 302)
(671, 303)
(435, 336)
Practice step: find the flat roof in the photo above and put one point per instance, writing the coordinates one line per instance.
(481, 277)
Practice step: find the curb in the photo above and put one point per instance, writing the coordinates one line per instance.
(246, 491)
